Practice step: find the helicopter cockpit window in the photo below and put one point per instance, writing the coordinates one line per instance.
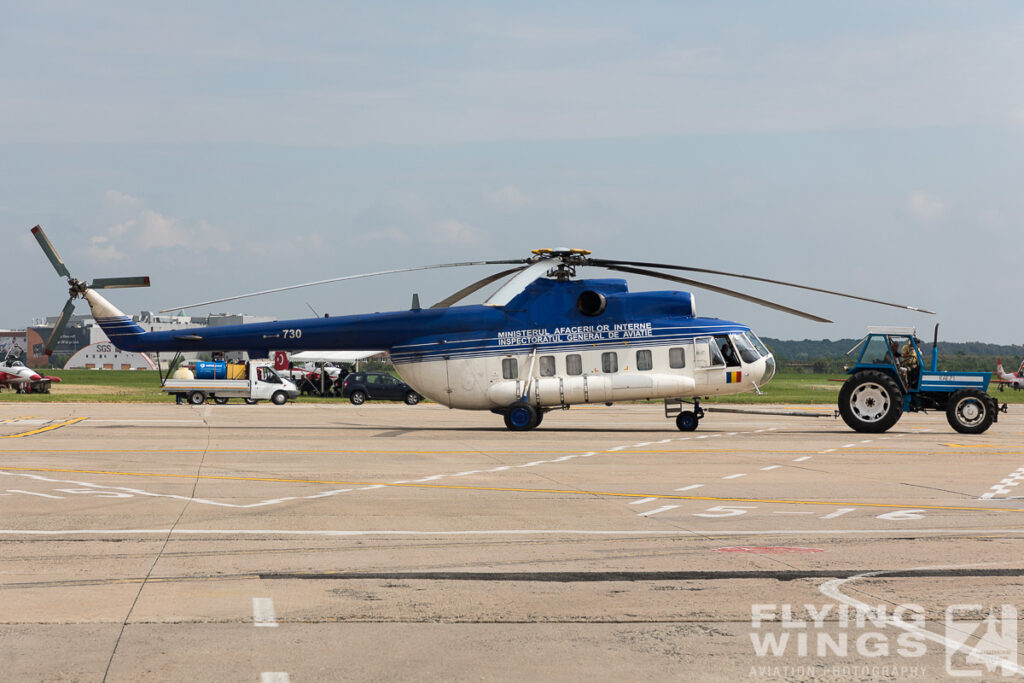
(727, 351)
(547, 366)
(706, 353)
(644, 361)
(676, 357)
(510, 368)
(574, 364)
(747, 351)
(609, 362)
(758, 344)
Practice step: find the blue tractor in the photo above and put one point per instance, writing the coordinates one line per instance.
(889, 379)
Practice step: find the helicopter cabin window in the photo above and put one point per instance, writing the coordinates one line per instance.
(510, 368)
(676, 357)
(727, 351)
(706, 353)
(747, 351)
(574, 364)
(644, 360)
(547, 366)
(609, 362)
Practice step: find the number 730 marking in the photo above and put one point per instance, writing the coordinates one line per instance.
(292, 334)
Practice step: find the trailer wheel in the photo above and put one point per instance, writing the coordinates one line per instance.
(279, 398)
(968, 411)
(357, 398)
(251, 401)
(220, 400)
(870, 402)
(197, 398)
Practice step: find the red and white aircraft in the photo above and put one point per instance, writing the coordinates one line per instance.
(24, 380)
(1009, 379)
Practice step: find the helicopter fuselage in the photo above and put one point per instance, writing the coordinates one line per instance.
(558, 343)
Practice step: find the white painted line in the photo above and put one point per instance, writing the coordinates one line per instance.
(785, 512)
(373, 486)
(770, 467)
(849, 445)
(702, 437)
(735, 476)
(772, 429)
(990, 661)
(838, 513)
(758, 431)
(274, 677)
(830, 450)
(463, 474)
(493, 469)
(806, 457)
(732, 433)
(642, 501)
(866, 441)
(663, 508)
(665, 441)
(33, 493)
(535, 463)
(690, 487)
(263, 612)
(641, 445)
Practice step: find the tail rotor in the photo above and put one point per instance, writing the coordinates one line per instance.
(77, 288)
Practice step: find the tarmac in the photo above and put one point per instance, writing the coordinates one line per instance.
(382, 542)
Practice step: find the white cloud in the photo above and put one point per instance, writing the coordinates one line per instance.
(451, 231)
(926, 207)
(140, 229)
(508, 197)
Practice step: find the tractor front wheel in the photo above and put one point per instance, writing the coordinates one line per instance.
(870, 401)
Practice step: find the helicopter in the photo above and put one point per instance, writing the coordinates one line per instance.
(545, 340)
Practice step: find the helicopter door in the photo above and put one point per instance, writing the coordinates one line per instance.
(709, 366)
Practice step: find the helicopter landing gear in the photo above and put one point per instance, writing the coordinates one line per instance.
(686, 420)
(521, 417)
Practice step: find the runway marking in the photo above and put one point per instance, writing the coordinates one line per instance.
(735, 476)
(20, 471)
(642, 501)
(274, 677)
(663, 508)
(48, 428)
(263, 613)
(690, 487)
(1005, 486)
(838, 513)
(702, 534)
(830, 589)
(806, 457)
(33, 493)
(830, 450)
(770, 468)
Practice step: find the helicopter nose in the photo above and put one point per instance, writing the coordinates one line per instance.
(769, 369)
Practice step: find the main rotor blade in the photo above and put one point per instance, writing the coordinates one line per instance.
(720, 290)
(58, 329)
(339, 279)
(479, 284)
(119, 282)
(50, 252)
(668, 266)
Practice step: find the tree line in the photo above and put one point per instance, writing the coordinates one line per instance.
(825, 356)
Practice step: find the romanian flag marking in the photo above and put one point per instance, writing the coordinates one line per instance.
(733, 377)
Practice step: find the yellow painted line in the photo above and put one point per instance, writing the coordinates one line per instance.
(616, 494)
(45, 429)
(974, 445)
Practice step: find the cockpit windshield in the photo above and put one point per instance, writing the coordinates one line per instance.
(758, 344)
(747, 351)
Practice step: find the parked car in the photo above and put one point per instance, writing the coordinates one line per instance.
(359, 387)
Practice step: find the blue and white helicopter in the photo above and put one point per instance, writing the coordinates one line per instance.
(544, 340)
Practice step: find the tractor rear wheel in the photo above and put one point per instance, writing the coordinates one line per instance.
(870, 401)
(969, 411)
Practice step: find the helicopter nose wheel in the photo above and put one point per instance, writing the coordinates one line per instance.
(521, 417)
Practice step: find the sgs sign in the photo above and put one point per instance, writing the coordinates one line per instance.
(104, 348)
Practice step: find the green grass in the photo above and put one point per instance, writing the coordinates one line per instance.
(115, 386)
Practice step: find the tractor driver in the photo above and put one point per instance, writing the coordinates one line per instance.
(909, 359)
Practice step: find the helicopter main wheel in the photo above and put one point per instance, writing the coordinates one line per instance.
(870, 402)
(968, 411)
(220, 400)
(197, 398)
(521, 417)
(687, 421)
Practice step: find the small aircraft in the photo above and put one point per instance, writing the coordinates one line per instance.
(1009, 379)
(24, 380)
(544, 340)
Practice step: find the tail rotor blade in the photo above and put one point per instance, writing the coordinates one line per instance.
(51, 253)
(58, 329)
(721, 290)
(119, 282)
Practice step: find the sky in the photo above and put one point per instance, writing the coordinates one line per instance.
(875, 148)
